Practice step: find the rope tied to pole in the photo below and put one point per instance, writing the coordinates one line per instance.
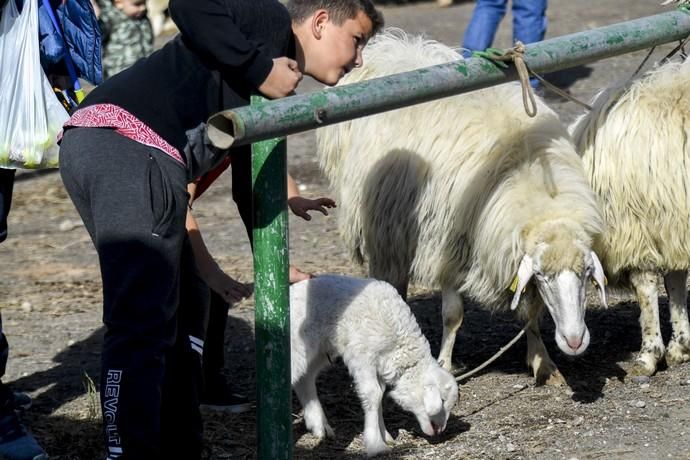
(516, 55)
(678, 49)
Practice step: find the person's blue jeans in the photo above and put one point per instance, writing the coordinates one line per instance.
(529, 23)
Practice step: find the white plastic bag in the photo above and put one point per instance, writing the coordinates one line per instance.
(30, 114)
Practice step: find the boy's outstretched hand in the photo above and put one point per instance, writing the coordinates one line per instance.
(300, 206)
(231, 290)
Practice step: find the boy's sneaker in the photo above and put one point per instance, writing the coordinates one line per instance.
(21, 400)
(15, 442)
(219, 394)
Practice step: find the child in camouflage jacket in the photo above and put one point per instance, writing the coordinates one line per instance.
(127, 33)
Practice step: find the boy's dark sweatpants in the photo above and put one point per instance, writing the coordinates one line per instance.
(214, 345)
(133, 201)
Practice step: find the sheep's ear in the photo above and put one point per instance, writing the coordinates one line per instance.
(599, 278)
(524, 274)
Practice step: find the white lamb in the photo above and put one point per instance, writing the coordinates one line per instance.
(471, 195)
(634, 146)
(368, 324)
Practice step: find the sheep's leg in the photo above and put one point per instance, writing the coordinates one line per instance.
(371, 395)
(453, 312)
(652, 349)
(398, 280)
(314, 416)
(401, 286)
(543, 367)
(678, 350)
(384, 432)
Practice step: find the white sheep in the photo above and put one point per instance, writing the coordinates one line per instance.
(634, 145)
(471, 195)
(368, 324)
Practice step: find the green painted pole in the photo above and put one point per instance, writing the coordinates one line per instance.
(300, 113)
(271, 262)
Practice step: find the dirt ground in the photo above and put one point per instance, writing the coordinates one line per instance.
(50, 296)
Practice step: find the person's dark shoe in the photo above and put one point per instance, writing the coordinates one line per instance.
(21, 400)
(16, 443)
(219, 394)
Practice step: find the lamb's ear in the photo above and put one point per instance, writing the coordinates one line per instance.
(524, 274)
(599, 278)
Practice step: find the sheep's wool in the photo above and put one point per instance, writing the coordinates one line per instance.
(634, 146)
(458, 189)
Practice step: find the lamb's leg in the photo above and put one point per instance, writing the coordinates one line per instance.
(543, 368)
(314, 416)
(371, 395)
(382, 425)
(678, 350)
(453, 312)
(652, 349)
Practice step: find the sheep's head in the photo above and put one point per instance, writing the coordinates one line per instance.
(429, 392)
(561, 268)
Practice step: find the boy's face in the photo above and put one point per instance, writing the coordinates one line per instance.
(132, 8)
(337, 49)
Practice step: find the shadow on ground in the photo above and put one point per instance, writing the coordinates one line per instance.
(615, 338)
(564, 79)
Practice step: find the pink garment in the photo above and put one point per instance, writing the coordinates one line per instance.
(124, 123)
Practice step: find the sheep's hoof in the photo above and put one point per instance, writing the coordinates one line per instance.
(329, 431)
(444, 3)
(556, 380)
(376, 449)
(677, 353)
(388, 438)
(641, 368)
(549, 375)
(322, 432)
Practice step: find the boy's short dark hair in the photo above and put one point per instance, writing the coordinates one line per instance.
(339, 10)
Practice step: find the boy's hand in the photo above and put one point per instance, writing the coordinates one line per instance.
(299, 206)
(282, 80)
(232, 291)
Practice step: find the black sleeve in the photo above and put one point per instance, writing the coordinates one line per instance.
(211, 28)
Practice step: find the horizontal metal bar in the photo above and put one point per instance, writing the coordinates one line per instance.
(294, 114)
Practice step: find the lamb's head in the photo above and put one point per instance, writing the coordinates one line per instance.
(429, 392)
(561, 262)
